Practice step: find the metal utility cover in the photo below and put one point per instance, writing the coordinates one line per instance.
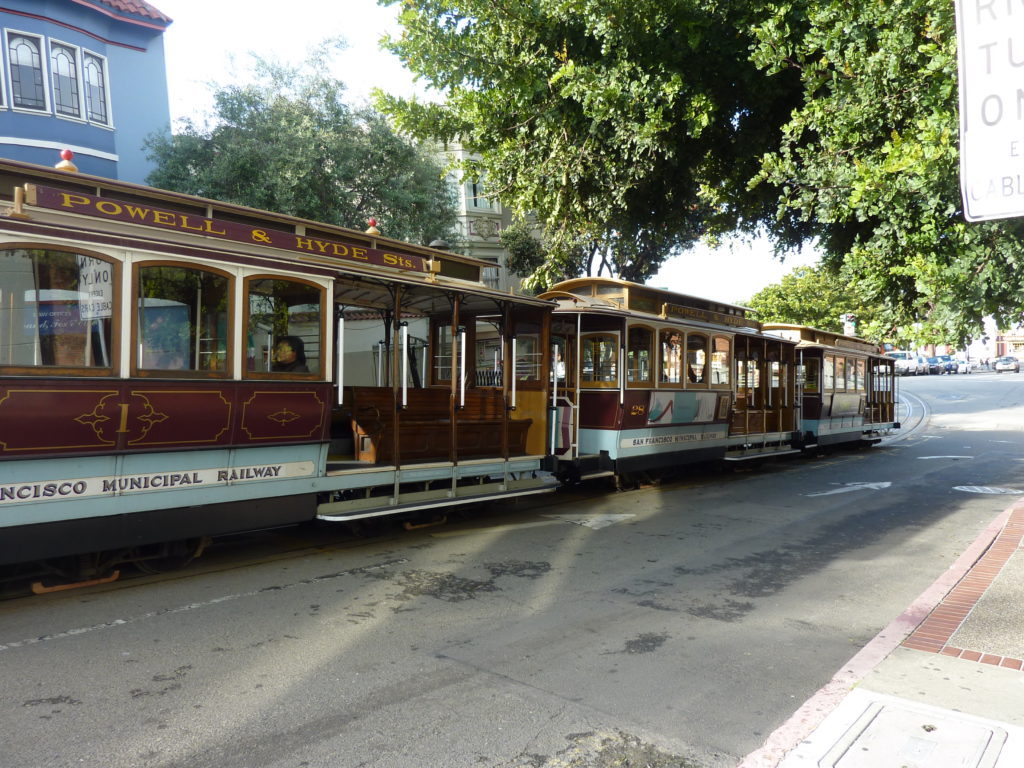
(902, 737)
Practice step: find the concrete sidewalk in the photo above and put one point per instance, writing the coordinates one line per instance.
(942, 685)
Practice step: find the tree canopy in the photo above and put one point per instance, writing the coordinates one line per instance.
(640, 126)
(609, 120)
(289, 143)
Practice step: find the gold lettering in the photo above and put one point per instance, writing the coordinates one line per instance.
(186, 225)
(138, 213)
(360, 253)
(339, 250)
(161, 217)
(109, 208)
(259, 236)
(209, 228)
(71, 201)
(390, 260)
(124, 417)
(305, 243)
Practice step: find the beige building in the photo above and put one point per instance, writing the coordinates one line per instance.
(481, 221)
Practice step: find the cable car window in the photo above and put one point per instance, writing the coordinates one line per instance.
(720, 360)
(441, 356)
(57, 310)
(638, 356)
(488, 354)
(671, 342)
(696, 358)
(600, 354)
(184, 319)
(829, 373)
(861, 382)
(284, 328)
(840, 373)
(528, 357)
(560, 361)
(812, 377)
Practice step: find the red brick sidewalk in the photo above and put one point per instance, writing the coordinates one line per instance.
(934, 632)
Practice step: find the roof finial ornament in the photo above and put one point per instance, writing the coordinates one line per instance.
(65, 164)
(372, 229)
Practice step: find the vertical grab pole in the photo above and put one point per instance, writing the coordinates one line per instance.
(462, 367)
(270, 351)
(339, 346)
(622, 375)
(515, 358)
(405, 364)
(554, 375)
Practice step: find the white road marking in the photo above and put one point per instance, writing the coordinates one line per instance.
(847, 487)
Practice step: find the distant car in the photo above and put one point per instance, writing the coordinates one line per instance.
(935, 365)
(906, 363)
(962, 366)
(947, 362)
(1007, 364)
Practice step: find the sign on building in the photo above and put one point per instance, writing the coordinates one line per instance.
(990, 39)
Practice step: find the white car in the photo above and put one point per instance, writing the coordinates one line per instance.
(1006, 364)
(962, 366)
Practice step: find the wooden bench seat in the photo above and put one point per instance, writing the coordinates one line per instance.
(425, 425)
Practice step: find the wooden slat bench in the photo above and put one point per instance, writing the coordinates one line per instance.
(426, 428)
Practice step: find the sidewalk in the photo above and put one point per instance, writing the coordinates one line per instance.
(942, 685)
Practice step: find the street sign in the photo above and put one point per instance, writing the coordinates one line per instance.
(990, 40)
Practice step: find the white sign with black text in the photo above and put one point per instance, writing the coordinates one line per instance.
(990, 39)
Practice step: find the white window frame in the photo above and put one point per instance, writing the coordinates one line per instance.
(43, 64)
(106, 90)
(81, 116)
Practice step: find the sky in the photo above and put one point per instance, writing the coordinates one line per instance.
(211, 41)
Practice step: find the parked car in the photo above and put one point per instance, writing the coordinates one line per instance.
(963, 366)
(936, 366)
(906, 363)
(1007, 363)
(947, 362)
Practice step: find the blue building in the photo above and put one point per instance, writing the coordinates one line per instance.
(84, 75)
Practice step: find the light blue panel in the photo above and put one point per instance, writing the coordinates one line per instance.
(593, 441)
(95, 487)
(671, 439)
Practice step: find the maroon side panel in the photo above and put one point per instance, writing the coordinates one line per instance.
(634, 409)
(599, 409)
(38, 418)
(58, 417)
(282, 415)
(156, 417)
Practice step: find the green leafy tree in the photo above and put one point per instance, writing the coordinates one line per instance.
(636, 127)
(869, 162)
(289, 143)
(818, 297)
(630, 128)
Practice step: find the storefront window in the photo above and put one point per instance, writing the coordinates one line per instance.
(57, 309)
(183, 319)
(283, 335)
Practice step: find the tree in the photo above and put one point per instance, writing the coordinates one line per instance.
(818, 297)
(637, 127)
(630, 128)
(289, 143)
(870, 163)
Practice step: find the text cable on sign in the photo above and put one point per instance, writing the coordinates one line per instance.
(990, 40)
